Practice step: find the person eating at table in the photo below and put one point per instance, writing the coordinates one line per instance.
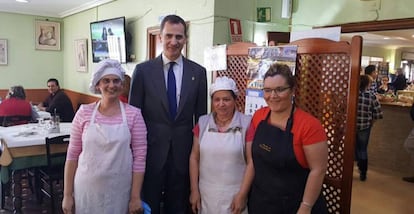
(106, 155)
(57, 102)
(15, 104)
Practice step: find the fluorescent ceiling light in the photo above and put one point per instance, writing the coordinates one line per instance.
(23, 1)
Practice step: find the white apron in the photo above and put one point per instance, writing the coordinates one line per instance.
(222, 167)
(104, 175)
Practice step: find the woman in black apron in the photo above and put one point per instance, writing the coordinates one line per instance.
(281, 183)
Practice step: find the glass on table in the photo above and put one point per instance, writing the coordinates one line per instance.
(42, 125)
(54, 124)
(40, 121)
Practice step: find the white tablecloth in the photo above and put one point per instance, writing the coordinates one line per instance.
(30, 134)
(44, 114)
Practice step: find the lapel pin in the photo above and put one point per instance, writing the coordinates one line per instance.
(193, 78)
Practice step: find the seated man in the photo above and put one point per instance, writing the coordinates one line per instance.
(16, 105)
(57, 102)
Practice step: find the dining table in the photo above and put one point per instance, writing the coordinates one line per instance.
(44, 114)
(23, 147)
(41, 113)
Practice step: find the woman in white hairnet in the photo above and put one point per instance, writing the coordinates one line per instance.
(218, 162)
(106, 155)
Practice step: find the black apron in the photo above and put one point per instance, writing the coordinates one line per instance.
(279, 181)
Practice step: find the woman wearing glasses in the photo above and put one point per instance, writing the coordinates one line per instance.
(107, 150)
(289, 151)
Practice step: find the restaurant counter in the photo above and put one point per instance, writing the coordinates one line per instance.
(386, 151)
(401, 104)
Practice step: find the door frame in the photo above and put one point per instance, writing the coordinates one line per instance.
(392, 24)
(152, 37)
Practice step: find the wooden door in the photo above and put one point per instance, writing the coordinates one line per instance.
(154, 45)
(278, 38)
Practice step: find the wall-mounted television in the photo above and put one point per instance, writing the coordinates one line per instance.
(108, 40)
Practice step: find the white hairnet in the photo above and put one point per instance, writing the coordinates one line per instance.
(105, 67)
(223, 83)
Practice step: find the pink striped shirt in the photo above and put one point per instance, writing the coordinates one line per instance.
(136, 126)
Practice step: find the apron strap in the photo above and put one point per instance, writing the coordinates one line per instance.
(124, 118)
(289, 123)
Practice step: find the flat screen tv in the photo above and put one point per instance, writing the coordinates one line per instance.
(108, 39)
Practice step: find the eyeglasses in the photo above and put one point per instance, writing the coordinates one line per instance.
(278, 90)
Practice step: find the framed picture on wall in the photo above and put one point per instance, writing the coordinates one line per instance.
(264, 14)
(47, 35)
(81, 55)
(3, 51)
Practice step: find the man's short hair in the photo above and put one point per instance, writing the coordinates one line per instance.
(53, 80)
(370, 69)
(174, 19)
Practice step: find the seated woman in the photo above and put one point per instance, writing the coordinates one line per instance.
(15, 105)
(384, 88)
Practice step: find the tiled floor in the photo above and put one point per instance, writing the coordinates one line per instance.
(382, 193)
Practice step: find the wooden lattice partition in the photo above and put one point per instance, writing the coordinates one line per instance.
(236, 69)
(327, 74)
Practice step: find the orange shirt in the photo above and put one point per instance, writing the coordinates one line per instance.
(306, 130)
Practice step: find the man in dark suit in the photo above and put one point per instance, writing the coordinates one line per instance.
(171, 91)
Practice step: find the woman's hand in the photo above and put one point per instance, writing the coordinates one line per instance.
(303, 209)
(68, 204)
(135, 206)
(195, 201)
(238, 204)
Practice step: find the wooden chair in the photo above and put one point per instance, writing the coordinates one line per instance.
(3, 186)
(47, 176)
(15, 120)
(5, 160)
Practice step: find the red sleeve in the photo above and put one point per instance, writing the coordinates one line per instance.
(307, 130)
(123, 99)
(196, 130)
(250, 133)
(258, 116)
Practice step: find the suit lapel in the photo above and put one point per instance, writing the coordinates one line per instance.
(156, 75)
(187, 82)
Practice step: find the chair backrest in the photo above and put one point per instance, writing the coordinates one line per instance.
(5, 157)
(14, 120)
(56, 150)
